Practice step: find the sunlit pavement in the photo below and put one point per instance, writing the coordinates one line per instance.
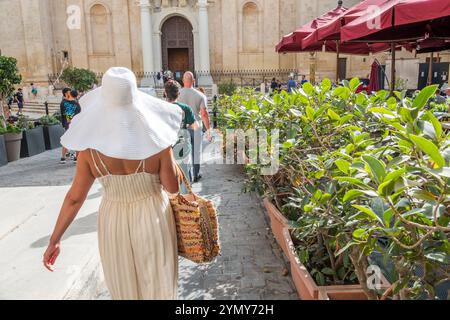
(32, 191)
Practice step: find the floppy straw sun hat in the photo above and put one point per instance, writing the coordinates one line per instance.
(122, 122)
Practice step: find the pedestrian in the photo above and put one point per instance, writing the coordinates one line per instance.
(34, 90)
(303, 80)
(69, 108)
(292, 84)
(438, 98)
(273, 85)
(18, 97)
(202, 90)
(198, 102)
(125, 139)
(183, 148)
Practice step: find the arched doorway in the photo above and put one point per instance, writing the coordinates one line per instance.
(177, 42)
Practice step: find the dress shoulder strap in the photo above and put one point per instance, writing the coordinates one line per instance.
(101, 162)
(141, 165)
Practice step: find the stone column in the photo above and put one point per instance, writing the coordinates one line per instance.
(203, 28)
(147, 37)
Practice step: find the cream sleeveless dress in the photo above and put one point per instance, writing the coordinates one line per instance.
(137, 236)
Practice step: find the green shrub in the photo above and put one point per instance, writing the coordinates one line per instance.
(358, 174)
(227, 88)
(79, 79)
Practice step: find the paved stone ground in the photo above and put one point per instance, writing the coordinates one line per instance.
(251, 266)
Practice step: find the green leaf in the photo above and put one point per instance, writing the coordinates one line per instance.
(358, 233)
(436, 124)
(289, 144)
(333, 115)
(326, 85)
(343, 165)
(369, 213)
(422, 98)
(394, 175)
(430, 149)
(308, 88)
(439, 257)
(386, 188)
(354, 193)
(354, 84)
(376, 167)
(327, 271)
(310, 113)
(295, 112)
(354, 181)
(382, 110)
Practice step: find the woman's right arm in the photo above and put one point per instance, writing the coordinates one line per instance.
(72, 204)
(168, 172)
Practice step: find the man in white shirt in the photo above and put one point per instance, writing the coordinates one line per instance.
(199, 104)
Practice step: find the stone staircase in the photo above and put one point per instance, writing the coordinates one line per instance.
(38, 107)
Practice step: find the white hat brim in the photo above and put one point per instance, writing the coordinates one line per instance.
(136, 131)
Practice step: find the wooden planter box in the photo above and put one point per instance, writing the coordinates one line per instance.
(278, 223)
(3, 155)
(33, 142)
(52, 136)
(308, 289)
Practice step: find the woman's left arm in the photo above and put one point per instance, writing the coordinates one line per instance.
(72, 204)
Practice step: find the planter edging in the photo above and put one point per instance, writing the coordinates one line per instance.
(308, 289)
(278, 223)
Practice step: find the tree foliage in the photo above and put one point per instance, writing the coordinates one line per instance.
(79, 79)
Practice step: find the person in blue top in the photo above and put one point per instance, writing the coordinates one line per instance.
(303, 80)
(292, 84)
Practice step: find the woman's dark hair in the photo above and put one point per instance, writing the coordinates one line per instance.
(172, 89)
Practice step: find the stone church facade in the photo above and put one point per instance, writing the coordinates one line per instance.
(153, 35)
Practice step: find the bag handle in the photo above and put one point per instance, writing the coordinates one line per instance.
(185, 179)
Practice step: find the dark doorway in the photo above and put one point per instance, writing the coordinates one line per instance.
(178, 59)
(177, 46)
(342, 69)
(440, 74)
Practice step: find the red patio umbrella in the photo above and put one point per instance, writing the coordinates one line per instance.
(293, 42)
(401, 20)
(397, 21)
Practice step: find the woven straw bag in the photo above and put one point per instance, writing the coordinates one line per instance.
(197, 225)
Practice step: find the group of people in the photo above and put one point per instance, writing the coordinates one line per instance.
(16, 98)
(276, 85)
(196, 121)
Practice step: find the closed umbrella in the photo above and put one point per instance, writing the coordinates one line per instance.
(374, 84)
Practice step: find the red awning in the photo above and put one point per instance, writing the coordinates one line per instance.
(332, 29)
(429, 45)
(293, 42)
(401, 20)
(333, 15)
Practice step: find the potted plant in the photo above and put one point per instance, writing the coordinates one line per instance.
(33, 142)
(13, 139)
(9, 77)
(53, 131)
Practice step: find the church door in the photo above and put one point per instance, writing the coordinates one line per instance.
(177, 46)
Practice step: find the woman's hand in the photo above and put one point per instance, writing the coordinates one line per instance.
(50, 255)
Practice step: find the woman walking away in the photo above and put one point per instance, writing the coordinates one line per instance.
(130, 152)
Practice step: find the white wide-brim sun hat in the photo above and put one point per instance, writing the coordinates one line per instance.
(122, 122)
